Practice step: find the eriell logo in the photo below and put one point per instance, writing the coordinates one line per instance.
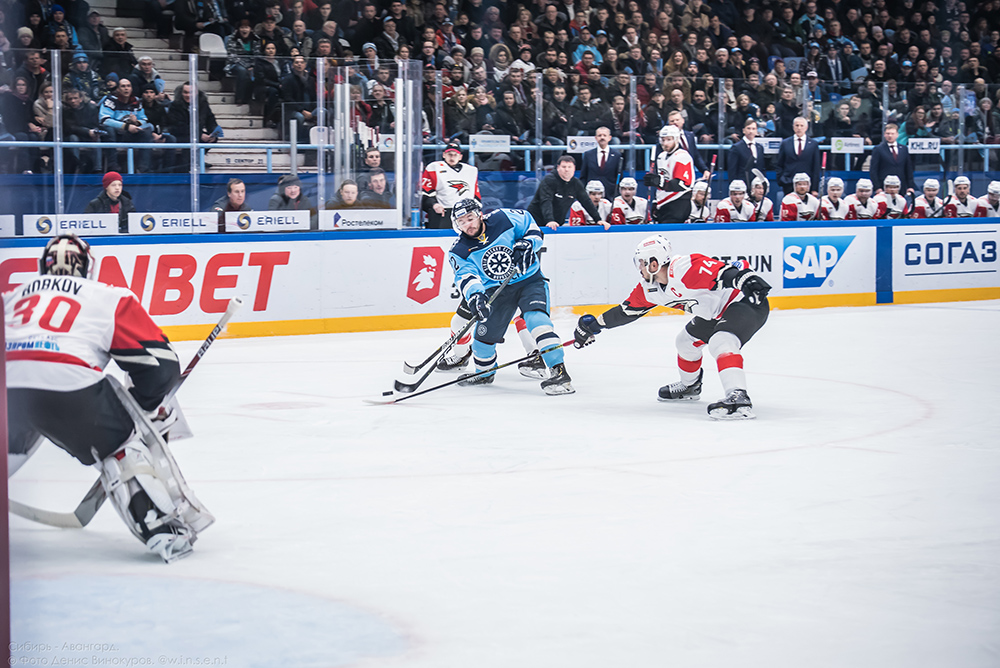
(809, 261)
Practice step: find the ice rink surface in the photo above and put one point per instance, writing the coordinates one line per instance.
(855, 523)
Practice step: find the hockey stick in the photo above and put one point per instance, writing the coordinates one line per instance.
(822, 187)
(711, 173)
(385, 402)
(767, 188)
(445, 347)
(945, 202)
(95, 496)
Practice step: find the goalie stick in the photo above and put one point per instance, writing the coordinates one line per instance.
(537, 353)
(95, 496)
(400, 386)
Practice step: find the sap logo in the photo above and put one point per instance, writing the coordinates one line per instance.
(810, 260)
(148, 223)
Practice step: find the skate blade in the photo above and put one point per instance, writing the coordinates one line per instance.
(553, 390)
(452, 369)
(741, 413)
(671, 401)
(537, 374)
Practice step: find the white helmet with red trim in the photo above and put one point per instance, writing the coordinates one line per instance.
(656, 247)
(66, 255)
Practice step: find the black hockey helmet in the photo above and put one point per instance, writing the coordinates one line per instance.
(463, 207)
(66, 255)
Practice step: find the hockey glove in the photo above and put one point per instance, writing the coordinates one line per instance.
(651, 179)
(523, 255)
(479, 306)
(754, 287)
(587, 329)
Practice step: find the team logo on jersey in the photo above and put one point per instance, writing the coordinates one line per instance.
(148, 223)
(497, 263)
(460, 187)
(425, 274)
(43, 225)
(243, 221)
(810, 260)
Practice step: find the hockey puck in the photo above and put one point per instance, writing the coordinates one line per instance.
(387, 393)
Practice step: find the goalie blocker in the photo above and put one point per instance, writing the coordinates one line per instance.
(62, 330)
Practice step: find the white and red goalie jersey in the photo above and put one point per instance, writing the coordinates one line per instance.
(861, 210)
(987, 210)
(925, 208)
(830, 210)
(794, 207)
(727, 212)
(579, 216)
(693, 285)
(450, 184)
(62, 331)
(676, 167)
(623, 213)
(956, 208)
(892, 206)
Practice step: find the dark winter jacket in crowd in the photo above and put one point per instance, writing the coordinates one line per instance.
(103, 204)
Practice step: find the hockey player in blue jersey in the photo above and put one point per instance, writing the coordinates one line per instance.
(488, 250)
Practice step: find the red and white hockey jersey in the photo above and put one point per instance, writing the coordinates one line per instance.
(450, 184)
(925, 208)
(987, 210)
(677, 165)
(765, 210)
(892, 206)
(794, 207)
(861, 210)
(701, 213)
(727, 212)
(692, 286)
(579, 216)
(62, 331)
(829, 210)
(956, 208)
(622, 213)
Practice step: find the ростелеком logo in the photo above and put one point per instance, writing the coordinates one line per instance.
(148, 223)
(809, 261)
(43, 225)
(243, 221)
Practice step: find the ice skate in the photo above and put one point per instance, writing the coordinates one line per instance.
(450, 364)
(558, 381)
(680, 392)
(170, 546)
(469, 379)
(736, 406)
(534, 367)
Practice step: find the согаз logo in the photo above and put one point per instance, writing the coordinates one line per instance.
(810, 260)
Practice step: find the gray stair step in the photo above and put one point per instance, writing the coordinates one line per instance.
(105, 6)
(239, 121)
(248, 160)
(143, 44)
(225, 98)
(129, 22)
(228, 109)
(251, 134)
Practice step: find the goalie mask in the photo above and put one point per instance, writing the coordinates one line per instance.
(66, 255)
(656, 247)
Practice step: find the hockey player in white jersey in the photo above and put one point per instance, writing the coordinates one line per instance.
(701, 206)
(833, 206)
(736, 208)
(763, 206)
(673, 178)
(444, 183)
(627, 209)
(962, 205)
(579, 216)
(729, 304)
(928, 204)
(989, 204)
(799, 204)
(862, 205)
(891, 204)
(62, 330)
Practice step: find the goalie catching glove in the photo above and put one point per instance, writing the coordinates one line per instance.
(587, 329)
(479, 306)
(523, 255)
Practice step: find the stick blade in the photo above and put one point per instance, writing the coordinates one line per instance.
(53, 519)
(379, 402)
(405, 388)
(409, 369)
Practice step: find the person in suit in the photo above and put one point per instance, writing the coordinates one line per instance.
(890, 157)
(603, 163)
(688, 142)
(798, 154)
(746, 155)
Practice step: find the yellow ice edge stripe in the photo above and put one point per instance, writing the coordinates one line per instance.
(378, 323)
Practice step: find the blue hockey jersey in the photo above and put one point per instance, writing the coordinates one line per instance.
(486, 261)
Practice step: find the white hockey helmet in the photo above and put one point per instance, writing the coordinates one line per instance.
(892, 180)
(932, 184)
(963, 181)
(656, 247)
(66, 255)
(670, 131)
(835, 182)
(864, 184)
(757, 181)
(463, 207)
(700, 186)
(801, 177)
(628, 182)
(737, 186)
(993, 188)
(595, 186)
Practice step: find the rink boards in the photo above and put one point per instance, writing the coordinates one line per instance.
(314, 282)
